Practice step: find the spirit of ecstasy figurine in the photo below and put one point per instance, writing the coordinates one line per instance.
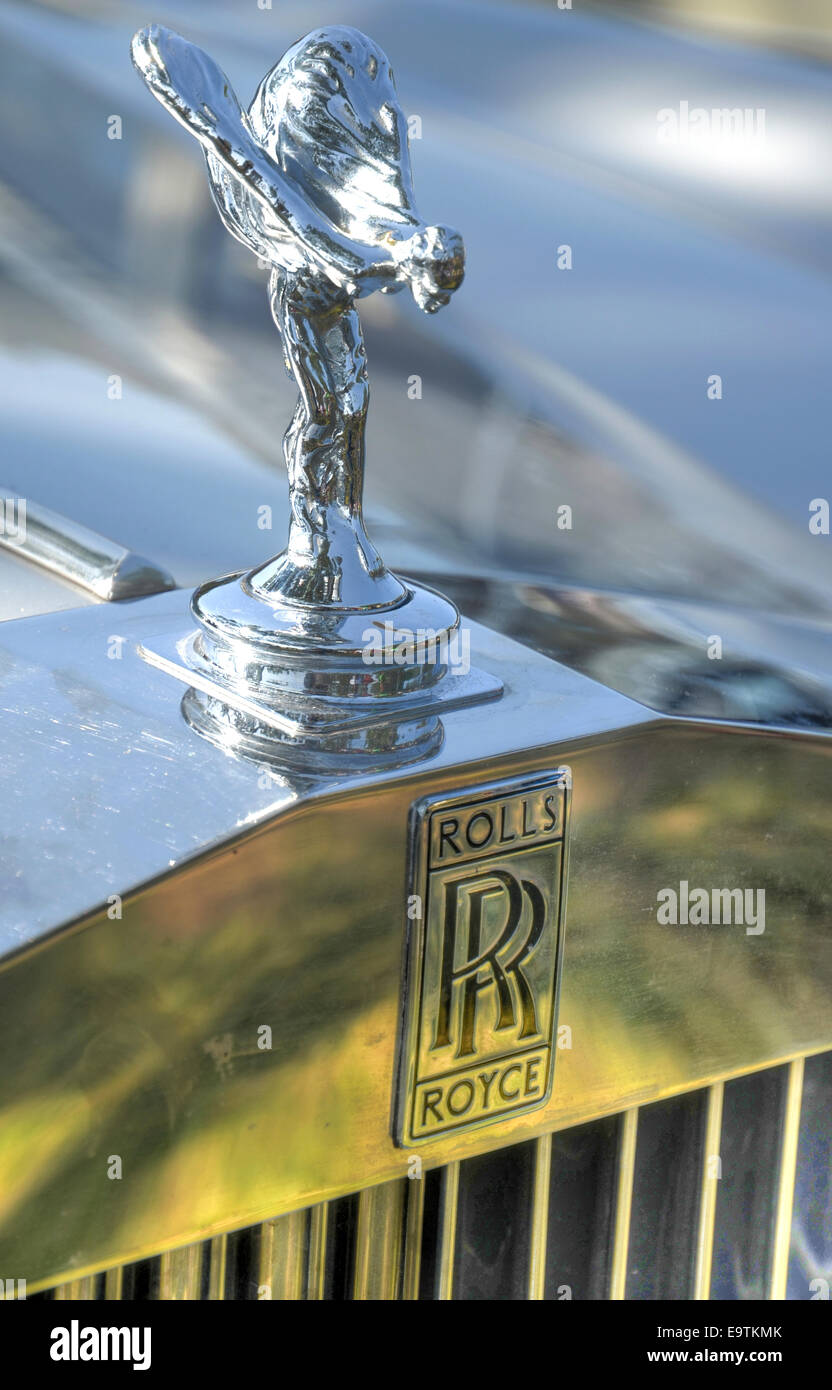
(314, 179)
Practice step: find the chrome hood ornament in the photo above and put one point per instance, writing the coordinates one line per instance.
(315, 180)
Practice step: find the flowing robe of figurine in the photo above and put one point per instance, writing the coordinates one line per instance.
(316, 180)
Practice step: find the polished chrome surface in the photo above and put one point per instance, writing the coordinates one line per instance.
(298, 714)
(41, 593)
(315, 180)
(81, 556)
(721, 661)
(79, 707)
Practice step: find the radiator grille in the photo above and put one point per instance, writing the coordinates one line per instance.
(720, 1193)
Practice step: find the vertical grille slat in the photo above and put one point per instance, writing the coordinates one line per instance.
(448, 1211)
(114, 1283)
(217, 1268)
(281, 1257)
(623, 1202)
(708, 1189)
(318, 1238)
(540, 1216)
(378, 1244)
(78, 1289)
(180, 1273)
(413, 1237)
(781, 1239)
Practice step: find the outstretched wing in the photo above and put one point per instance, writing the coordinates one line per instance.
(199, 95)
(329, 115)
(247, 219)
(248, 188)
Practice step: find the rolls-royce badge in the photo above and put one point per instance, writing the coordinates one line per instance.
(488, 875)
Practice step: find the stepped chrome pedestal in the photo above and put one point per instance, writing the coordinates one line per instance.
(320, 684)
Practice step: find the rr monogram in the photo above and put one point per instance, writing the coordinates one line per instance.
(471, 891)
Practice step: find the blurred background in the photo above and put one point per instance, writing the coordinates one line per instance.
(802, 25)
